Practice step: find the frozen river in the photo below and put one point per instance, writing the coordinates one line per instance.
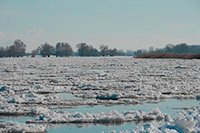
(33, 88)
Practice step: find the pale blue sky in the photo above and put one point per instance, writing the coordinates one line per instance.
(124, 24)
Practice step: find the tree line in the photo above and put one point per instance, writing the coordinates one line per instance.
(61, 49)
(46, 50)
(182, 48)
(83, 49)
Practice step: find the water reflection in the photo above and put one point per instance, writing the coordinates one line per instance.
(67, 96)
(165, 106)
(20, 119)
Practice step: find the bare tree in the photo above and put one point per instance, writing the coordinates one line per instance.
(46, 49)
(17, 49)
(63, 49)
(6, 52)
(104, 50)
(93, 51)
(11, 51)
(2, 52)
(87, 50)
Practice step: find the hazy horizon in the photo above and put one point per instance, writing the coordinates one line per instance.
(130, 24)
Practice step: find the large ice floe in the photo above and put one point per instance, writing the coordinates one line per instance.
(110, 117)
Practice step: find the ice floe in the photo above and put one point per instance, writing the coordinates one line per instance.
(110, 117)
(185, 122)
(14, 127)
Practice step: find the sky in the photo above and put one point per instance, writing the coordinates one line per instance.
(121, 24)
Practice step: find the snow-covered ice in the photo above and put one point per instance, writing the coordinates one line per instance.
(30, 86)
(110, 117)
(14, 127)
(185, 122)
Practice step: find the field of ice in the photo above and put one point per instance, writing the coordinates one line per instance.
(55, 94)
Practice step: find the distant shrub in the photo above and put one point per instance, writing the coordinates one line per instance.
(169, 55)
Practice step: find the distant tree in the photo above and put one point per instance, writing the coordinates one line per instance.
(46, 49)
(138, 52)
(121, 53)
(2, 52)
(93, 51)
(11, 51)
(18, 48)
(181, 48)
(104, 50)
(169, 48)
(83, 49)
(112, 52)
(34, 52)
(158, 50)
(7, 52)
(194, 49)
(86, 50)
(63, 49)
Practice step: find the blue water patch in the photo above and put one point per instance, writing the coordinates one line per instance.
(19, 119)
(67, 96)
(91, 128)
(165, 107)
(30, 76)
(87, 69)
(3, 88)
